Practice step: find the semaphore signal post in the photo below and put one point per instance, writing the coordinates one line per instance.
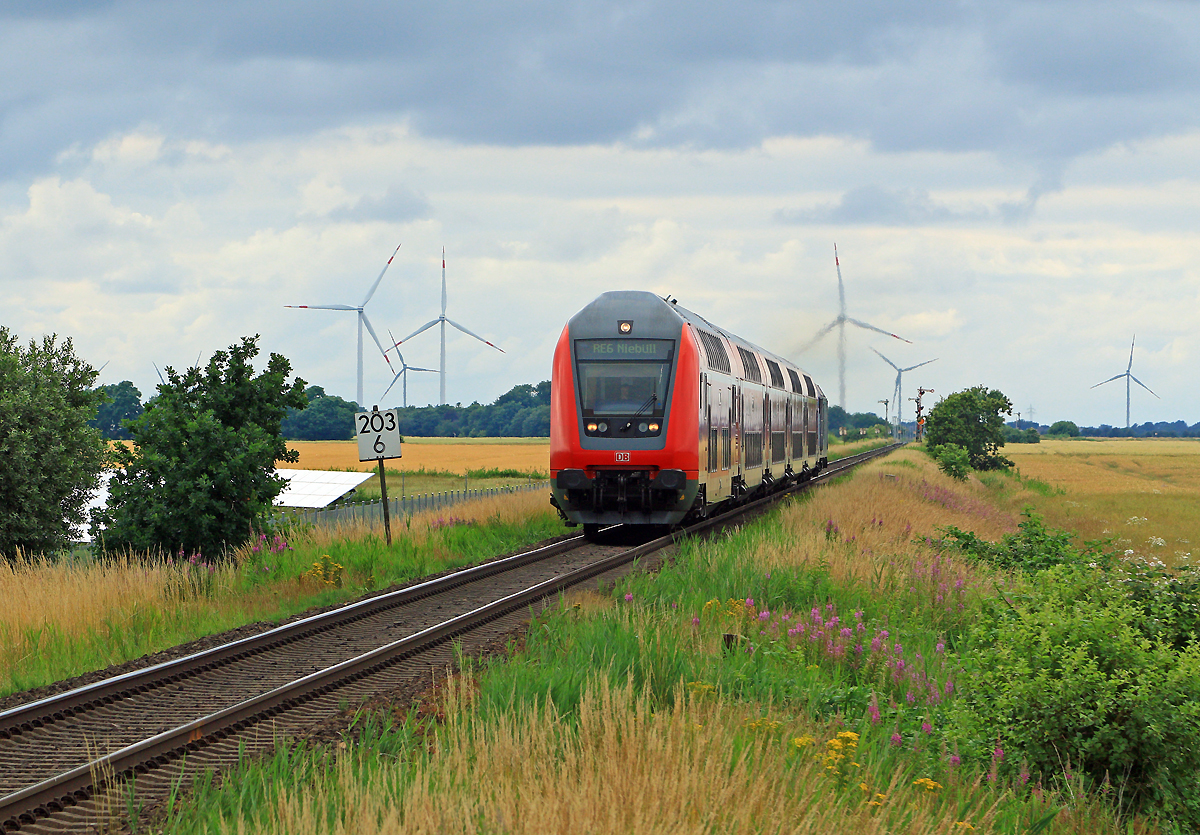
(378, 436)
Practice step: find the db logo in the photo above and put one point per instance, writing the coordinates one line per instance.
(622, 456)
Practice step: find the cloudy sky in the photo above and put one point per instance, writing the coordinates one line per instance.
(1015, 187)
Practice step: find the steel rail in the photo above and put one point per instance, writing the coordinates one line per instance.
(26, 806)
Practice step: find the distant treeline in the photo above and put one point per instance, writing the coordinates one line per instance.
(522, 412)
(1162, 429)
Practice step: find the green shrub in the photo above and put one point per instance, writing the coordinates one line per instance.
(1068, 685)
(953, 460)
(1033, 548)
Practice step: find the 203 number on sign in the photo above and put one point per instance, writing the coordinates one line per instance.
(378, 434)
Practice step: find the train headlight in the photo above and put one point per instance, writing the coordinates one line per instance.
(591, 427)
(625, 327)
(642, 427)
(654, 427)
(603, 427)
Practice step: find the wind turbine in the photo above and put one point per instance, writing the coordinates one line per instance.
(840, 323)
(899, 400)
(1128, 375)
(403, 372)
(443, 321)
(362, 320)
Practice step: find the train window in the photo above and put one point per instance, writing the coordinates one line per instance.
(750, 365)
(776, 374)
(624, 376)
(812, 390)
(796, 387)
(714, 351)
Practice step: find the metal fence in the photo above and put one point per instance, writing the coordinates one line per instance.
(405, 505)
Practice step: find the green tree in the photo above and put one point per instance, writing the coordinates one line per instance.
(971, 419)
(124, 403)
(201, 468)
(326, 418)
(50, 458)
(1064, 427)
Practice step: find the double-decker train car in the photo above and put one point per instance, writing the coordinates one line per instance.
(658, 416)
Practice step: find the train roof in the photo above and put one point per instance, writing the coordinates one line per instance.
(650, 301)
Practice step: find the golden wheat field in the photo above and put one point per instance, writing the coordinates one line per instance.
(1145, 492)
(454, 455)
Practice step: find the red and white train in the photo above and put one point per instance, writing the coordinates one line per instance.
(658, 416)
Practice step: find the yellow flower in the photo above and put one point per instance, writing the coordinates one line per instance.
(834, 744)
(850, 737)
(864, 787)
(802, 741)
(964, 825)
(928, 784)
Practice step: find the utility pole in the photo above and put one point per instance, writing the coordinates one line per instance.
(921, 392)
(885, 402)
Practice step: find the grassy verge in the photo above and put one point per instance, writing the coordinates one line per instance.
(63, 618)
(843, 666)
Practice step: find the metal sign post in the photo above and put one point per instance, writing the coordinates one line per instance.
(379, 438)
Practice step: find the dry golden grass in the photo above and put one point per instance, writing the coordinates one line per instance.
(1143, 491)
(882, 515)
(620, 769)
(45, 605)
(454, 455)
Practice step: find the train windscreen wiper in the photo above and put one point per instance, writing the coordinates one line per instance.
(650, 401)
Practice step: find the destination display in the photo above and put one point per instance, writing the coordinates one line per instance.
(624, 349)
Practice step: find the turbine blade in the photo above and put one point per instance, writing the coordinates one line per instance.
(371, 331)
(817, 337)
(374, 286)
(321, 306)
(1109, 380)
(877, 330)
(888, 361)
(1131, 344)
(443, 282)
(918, 365)
(159, 373)
(1143, 385)
(399, 374)
(414, 368)
(477, 336)
(841, 287)
(421, 329)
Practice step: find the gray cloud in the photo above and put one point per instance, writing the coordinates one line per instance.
(1042, 81)
(396, 205)
(874, 204)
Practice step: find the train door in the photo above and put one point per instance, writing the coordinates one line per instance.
(787, 424)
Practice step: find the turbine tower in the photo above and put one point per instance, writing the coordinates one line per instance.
(899, 401)
(403, 372)
(443, 321)
(1128, 375)
(840, 323)
(362, 320)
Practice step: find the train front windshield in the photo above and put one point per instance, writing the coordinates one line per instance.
(624, 376)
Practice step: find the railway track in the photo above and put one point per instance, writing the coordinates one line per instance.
(148, 731)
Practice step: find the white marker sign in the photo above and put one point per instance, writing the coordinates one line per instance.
(378, 434)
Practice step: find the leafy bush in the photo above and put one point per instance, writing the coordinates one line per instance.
(1169, 602)
(953, 460)
(972, 419)
(1033, 548)
(1067, 684)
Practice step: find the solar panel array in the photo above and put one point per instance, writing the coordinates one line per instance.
(316, 488)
